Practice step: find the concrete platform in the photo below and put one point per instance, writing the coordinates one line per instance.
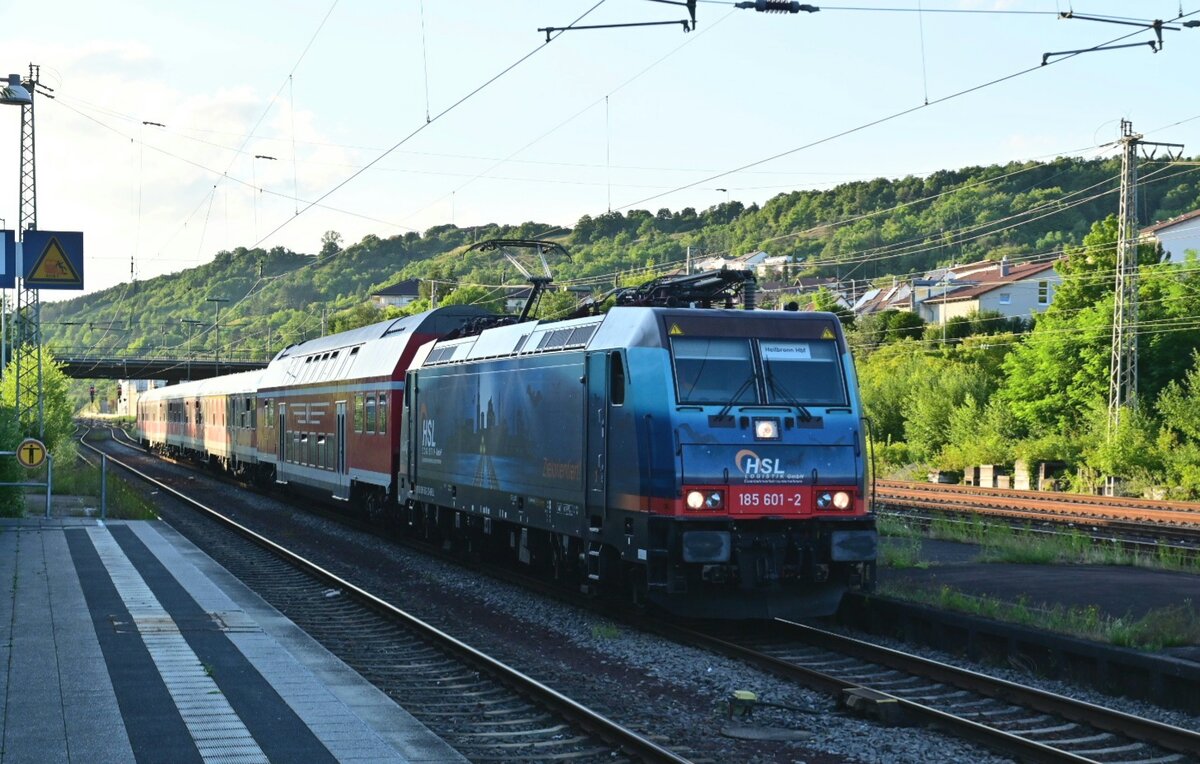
(123, 642)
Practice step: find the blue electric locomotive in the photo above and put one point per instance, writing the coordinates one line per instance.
(711, 462)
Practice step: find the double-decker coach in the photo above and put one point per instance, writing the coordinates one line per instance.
(328, 408)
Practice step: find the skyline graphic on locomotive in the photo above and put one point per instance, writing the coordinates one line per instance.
(712, 462)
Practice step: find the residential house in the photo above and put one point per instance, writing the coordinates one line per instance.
(1011, 290)
(516, 298)
(748, 261)
(1178, 236)
(397, 295)
(899, 296)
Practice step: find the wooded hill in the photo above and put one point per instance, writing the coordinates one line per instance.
(868, 229)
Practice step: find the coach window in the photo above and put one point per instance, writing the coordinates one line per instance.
(616, 380)
(370, 413)
(383, 423)
(359, 410)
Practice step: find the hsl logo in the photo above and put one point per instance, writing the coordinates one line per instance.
(751, 464)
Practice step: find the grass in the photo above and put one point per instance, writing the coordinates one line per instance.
(902, 552)
(82, 479)
(1158, 628)
(605, 631)
(1000, 542)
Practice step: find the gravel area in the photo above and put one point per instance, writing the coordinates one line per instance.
(672, 693)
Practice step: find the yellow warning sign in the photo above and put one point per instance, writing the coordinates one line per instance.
(674, 330)
(827, 334)
(53, 265)
(31, 453)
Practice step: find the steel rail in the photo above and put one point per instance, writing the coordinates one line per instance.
(1038, 506)
(1142, 730)
(1053, 498)
(610, 731)
(1133, 727)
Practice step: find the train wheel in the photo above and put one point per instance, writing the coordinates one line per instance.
(373, 505)
(636, 578)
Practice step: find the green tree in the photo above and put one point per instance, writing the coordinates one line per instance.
(825, 300)
(331, 243)
(59, 411)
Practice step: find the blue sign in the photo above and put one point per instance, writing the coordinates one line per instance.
(53, 259)
(8, 277)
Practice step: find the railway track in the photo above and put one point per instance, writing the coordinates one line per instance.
(1012, 719)
(1137, 515)
(484, 708)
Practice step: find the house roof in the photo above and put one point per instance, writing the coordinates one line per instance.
(993, 280)
(410, 288)
(1172, 222)
(875, 300)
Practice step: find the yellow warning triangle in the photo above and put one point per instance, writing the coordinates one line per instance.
(53, 265)
(827, 334)
(674, 330)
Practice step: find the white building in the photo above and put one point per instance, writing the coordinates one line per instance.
(398, 295)
(1015, 291)
(1178, 236)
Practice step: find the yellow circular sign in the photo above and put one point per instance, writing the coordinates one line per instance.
(31, 453)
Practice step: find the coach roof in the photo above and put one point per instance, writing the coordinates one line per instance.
(367, 352)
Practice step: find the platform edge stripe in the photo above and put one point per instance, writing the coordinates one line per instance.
(187, 684)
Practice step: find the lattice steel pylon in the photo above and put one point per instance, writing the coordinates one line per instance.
(28, 318)
(1123, 367)
(1122, 376)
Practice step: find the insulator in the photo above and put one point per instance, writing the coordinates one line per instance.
(778, 6)
(749, 295)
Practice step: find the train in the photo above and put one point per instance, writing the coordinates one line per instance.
(706, 461)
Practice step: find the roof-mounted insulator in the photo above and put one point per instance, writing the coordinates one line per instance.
(777, 6)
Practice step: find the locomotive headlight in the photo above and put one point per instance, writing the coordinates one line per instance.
(766, 429)
(841, 500)
(715, 500)
(824, 500)
(695, 500)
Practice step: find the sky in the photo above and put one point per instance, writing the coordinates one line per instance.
(283, 120)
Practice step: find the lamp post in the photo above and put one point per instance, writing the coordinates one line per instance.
(216, 301)
(28, 314)
(255, 190)
(190, 324)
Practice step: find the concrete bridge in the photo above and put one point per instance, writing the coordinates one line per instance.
(91, 365)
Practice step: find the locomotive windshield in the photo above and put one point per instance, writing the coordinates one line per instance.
(726, 370)
(714, 370)
(807, 372)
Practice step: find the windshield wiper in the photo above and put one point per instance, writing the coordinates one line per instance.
(804, 414)
(725, 410)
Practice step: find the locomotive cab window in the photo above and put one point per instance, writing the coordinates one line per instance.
(616, 380)
(714, 370)
(803, 372)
